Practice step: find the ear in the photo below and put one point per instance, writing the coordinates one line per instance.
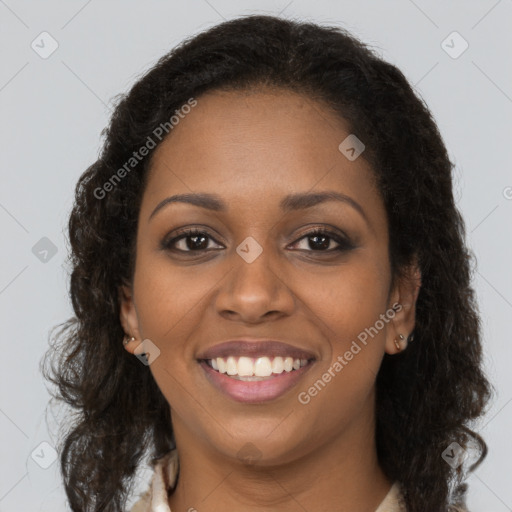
(128, 317)
(403, 297)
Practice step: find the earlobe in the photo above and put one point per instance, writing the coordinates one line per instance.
(128, 318)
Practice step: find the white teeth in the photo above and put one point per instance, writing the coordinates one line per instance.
(262, 367)
(222, 365)
(245, 367)
(256, 367)
(231, 366)
(277, 365)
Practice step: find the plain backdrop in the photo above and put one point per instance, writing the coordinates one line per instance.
(63, 62)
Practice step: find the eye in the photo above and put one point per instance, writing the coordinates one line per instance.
(321, 240)
(191, 240)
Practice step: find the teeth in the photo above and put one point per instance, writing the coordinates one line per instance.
(245, 367)
(262, 367)
(256, 367)
(277, 365)
(231, 367)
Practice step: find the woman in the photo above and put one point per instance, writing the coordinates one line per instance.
(271, 231)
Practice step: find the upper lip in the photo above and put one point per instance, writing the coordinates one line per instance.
(255, 348)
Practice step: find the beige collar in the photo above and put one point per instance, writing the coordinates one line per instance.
(155, 499)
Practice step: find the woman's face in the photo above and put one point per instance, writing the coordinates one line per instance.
(259, 276)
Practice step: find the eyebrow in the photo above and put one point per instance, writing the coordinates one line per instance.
(292, 202)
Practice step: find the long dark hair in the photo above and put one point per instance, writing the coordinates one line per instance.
(427, 396)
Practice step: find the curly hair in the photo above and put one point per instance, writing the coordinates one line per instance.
(426, 397)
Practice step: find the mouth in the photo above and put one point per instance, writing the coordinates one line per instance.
(255, 379)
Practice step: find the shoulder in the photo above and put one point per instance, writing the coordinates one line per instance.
(165, 471)
(143, 502)
(393, 501)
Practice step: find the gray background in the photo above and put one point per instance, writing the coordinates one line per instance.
(52, 112)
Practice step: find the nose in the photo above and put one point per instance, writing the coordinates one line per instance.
(254, 292)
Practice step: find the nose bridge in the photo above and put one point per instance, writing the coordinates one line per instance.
(254, 286)
(253, 264)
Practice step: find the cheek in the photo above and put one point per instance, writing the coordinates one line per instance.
(169, 300)
(349, 299)
(343, 384)
(167, 297)
(348, 308)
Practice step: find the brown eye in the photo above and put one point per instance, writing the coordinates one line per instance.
(322, 241)
(191, 241)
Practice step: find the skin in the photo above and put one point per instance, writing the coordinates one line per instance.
(253, 148)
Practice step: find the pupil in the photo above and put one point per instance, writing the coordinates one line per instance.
(323, 245)
(194, 244)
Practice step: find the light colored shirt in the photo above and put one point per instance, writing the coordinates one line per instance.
(155, 498)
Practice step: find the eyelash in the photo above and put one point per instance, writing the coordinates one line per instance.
(343, 244)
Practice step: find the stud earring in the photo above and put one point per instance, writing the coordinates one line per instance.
(126, 340)
(397, 343)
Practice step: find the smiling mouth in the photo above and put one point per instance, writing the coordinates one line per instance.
(250, 369)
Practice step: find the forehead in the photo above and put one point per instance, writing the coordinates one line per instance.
(258, 145)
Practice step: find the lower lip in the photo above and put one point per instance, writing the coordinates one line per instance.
(254, 391)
